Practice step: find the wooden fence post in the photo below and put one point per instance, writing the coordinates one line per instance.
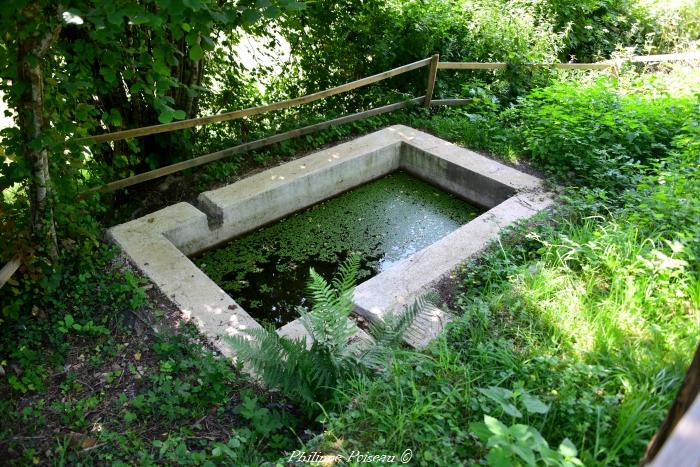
(432, 77)
(9, 269)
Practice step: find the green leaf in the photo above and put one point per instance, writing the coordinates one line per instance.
(480, 430)
(501, 396)
(115, 17)
(192, 38)
(141, 19)
(250, 16)
(272, 12)
(179, 114)
(549, 456)
(519, 432)
(161, 68)
(115, 117)
(194, 5)
(498, 457)
(166, 116)
(495, 426)
(525, 453)
(533, 404)
(196, 52)
(82, 111)
(108, 74)
(567, 448)
(293, 5)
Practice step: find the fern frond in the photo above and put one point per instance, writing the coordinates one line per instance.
(310, 377)
(390, 330)
(346, 277)
(322, 294)
(284, 363)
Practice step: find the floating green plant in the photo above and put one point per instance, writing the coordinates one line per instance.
(385, 221)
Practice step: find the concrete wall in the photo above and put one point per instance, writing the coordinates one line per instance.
(158, 243)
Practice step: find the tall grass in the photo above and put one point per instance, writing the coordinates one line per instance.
(595, 310)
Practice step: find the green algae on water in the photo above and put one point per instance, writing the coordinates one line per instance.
(385, 221)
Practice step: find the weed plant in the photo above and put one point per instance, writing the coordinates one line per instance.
(577, 327)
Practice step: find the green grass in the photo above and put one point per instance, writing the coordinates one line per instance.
(572, 334)
(599, 325)
(593, 310)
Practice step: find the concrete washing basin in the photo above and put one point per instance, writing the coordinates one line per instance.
(160, 243)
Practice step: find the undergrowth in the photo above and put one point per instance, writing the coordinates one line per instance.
(579, 324)
(573, 331)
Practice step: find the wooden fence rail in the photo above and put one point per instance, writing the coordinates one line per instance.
(215, 156)
(193, 122)
(434, 65)
(10, 268)
(679, 443)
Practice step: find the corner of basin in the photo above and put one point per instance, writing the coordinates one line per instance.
(179, 224)
(212, 209)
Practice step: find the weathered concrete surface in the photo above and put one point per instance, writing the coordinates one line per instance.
(158, 243)
(426, 327)
(152, 244)
(401, 285)
(480, 180)
(273, 194)
(295, 330)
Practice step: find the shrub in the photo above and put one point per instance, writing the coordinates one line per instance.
(597, 136)
(338, 41)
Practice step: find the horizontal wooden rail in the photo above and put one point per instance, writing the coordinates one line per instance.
(215, 156)
(433, 61)
(154, 129)
(666, 57)
(583, 66)
(574, 66)
(437, 102)
(502, 65)
(9, 269)
(471, 66)
(194, 122)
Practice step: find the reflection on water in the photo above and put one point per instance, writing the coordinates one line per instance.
(385, 221)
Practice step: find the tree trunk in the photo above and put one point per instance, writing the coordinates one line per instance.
(684, 399)
(30, 79)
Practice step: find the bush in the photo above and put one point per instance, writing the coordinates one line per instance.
(334, 42)
(595, 135)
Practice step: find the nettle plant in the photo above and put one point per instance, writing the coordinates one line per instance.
(518, 444)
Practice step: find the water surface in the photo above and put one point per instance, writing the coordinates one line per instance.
(385, 221)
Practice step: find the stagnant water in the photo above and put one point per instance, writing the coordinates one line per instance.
(385, 221)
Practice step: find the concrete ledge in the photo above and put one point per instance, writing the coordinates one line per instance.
(160, 242)
(151, 243)
(401, 285)
(271, 195)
